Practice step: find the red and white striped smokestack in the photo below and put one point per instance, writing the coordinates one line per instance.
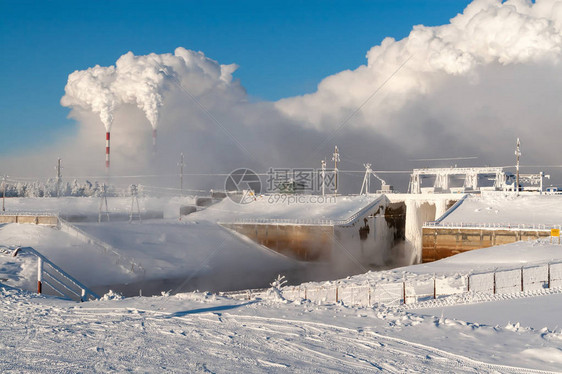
(107, 150)
(154, 141)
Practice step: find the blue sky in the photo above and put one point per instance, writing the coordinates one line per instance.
(283, 48)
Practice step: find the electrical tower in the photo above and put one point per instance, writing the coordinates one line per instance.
(103, 201)
(181, 165)
(134, 197)
(336, 159)
(366, 186)
(59, 176)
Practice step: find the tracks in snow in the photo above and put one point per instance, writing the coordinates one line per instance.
(68, 339)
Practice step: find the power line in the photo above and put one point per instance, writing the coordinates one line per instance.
(349, 117)
(16, 178)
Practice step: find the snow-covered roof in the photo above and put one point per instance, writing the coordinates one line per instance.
(501, 208)
(290, 209)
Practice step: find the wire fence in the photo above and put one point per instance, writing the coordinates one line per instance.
(499, 281)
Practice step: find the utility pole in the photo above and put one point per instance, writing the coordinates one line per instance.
(517, 154)
(336, 158)
(59, 177)
(181, 165)
(323, 174)
(4, 193)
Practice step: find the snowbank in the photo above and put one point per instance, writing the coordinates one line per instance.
(171, 255)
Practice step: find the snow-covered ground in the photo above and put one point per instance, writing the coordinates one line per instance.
(203, 255)
(205, 333)
(83, 260)
(199, 332)
(172, 255)
(487, 259)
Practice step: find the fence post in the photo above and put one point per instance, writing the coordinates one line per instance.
(522, 278)
(468, 283)
(404, 291)
(39, 274)
(494, 281)
(548, 275)
(83, 295)
(434, 287)
(369, 296)
(15, 253)
(337, 298)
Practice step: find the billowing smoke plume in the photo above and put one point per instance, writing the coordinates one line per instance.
(92, 89)
(142, 81)
(467, 88)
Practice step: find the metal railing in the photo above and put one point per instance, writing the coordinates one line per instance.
(452, 209)
(502, 226)
(59, 281)
(360, 213)
(287, 221)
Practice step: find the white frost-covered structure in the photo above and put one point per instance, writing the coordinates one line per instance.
(471, 179)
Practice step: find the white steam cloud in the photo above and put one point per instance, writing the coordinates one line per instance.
(92, 89)
(470, 87)
(142, 81)
(488, 32)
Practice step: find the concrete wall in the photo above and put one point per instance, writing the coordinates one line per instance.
(366, 240)
(438, 243)
(420, 208)
(30, 219)
(303, 242)
(8, 219)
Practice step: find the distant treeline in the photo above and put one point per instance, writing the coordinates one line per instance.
(52, 188)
